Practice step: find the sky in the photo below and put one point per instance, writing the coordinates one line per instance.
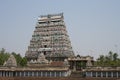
(93, 25)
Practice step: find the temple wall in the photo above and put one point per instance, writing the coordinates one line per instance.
(34, 73)
(102, 74)
(56, 78)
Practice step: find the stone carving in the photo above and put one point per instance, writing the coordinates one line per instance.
(41, 59)
(11, 62)
(89, 63)
(66, 62)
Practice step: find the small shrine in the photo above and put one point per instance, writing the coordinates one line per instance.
(11, 62)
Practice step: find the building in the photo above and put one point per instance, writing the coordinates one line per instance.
(50, 38)
(80, 62)
(54, 69)
(49, 70)
(106, 72)
(39, 68)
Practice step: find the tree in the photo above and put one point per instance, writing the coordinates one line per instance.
(115, 56)
(101, 60)
(108, 60)
(23, 61)
(110, 55)
(2, 51)
(3, 56)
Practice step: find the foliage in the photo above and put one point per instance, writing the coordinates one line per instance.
(3, 56)
(21, 61)
(108, 60)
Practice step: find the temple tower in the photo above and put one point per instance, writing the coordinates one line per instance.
(50, 38)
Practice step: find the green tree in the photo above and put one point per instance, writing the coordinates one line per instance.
(110, 55)
(108, 60)
(3, 56)
(23, 61)
(2, 51)
(100, 60)
(115, 56)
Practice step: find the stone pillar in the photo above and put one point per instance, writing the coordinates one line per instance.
(20, 74)
(7, 74)
(117, 74)
(24, 73)
(101, 74)
(4, 74)
(111, 74)
(50, 73)
(37, 73)
(10, 74)
(28, 74)
(96, 74)
(60, 73)
(106, 74)
(41, 74)
(55, 73)
(16, 73)
(91, 74)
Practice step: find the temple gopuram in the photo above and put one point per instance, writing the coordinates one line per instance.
(50, 38)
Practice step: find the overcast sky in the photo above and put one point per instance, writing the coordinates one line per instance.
(93, 25)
